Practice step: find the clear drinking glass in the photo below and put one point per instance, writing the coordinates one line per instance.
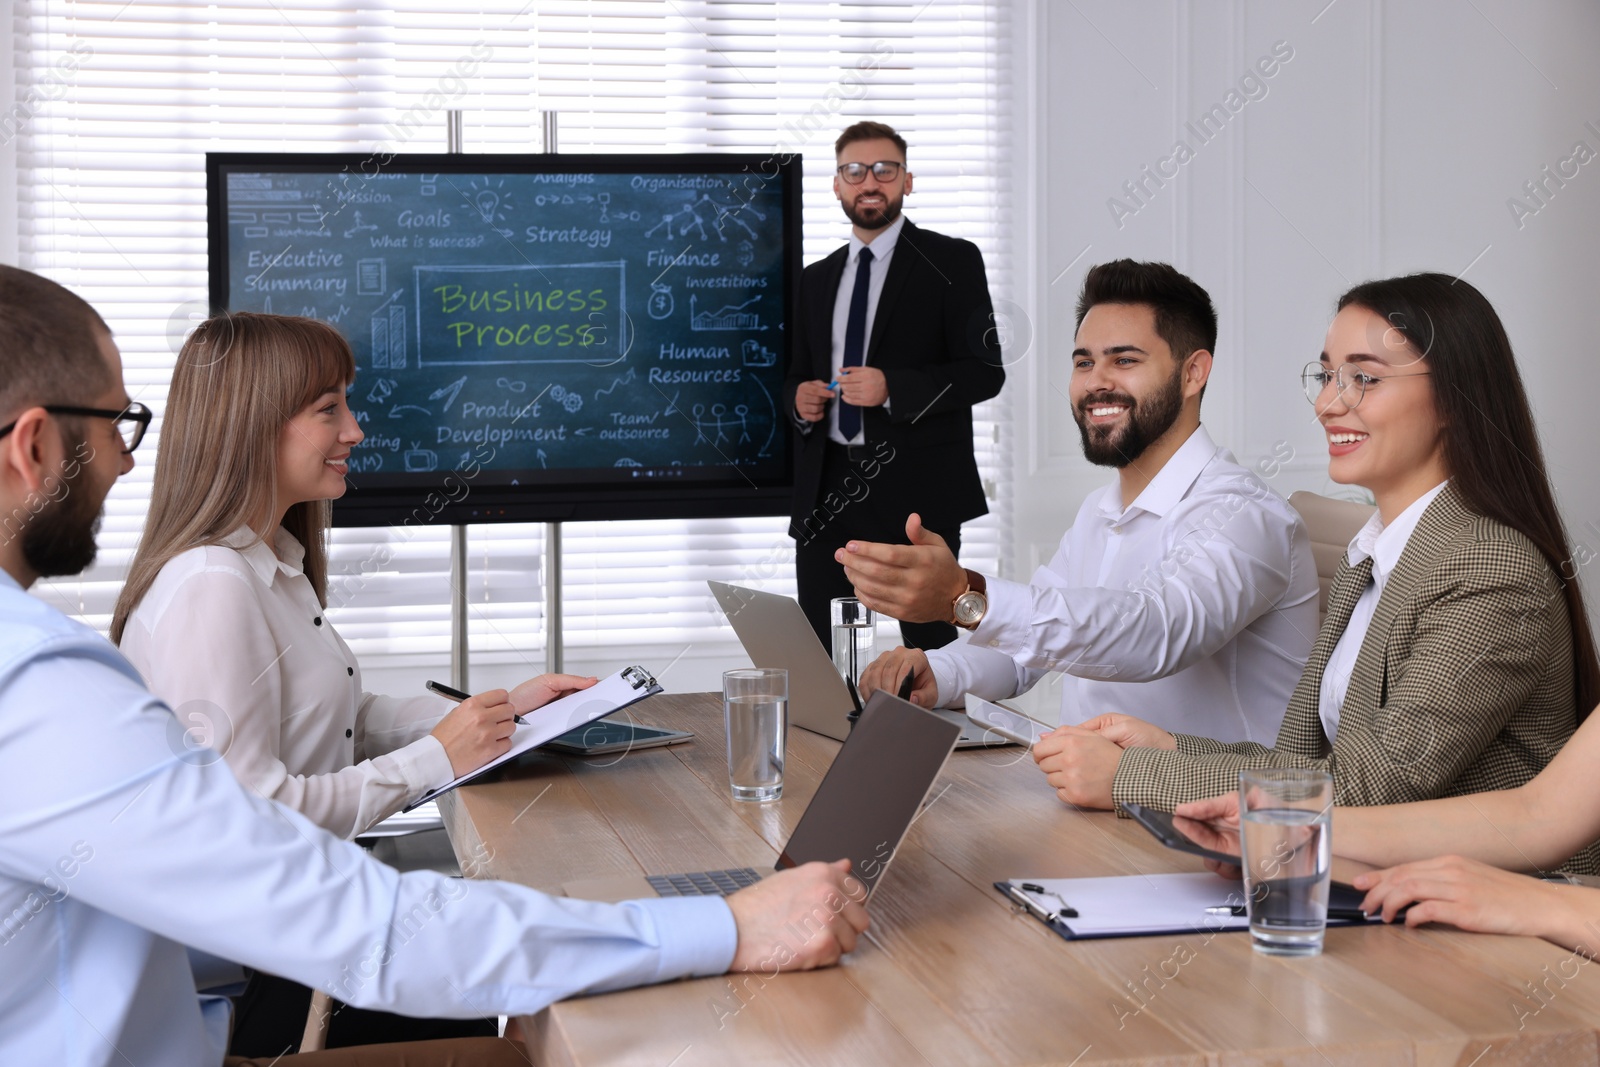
(755, 710)
(854, 629)
(1286, 814)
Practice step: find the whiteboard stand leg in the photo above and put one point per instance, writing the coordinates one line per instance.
(458, 607)
(554, 653)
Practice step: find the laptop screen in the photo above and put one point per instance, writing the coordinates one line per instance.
(875, 787)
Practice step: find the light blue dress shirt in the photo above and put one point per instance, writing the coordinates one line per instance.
(120, 843)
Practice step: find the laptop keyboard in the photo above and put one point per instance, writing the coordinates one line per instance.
(703, 883)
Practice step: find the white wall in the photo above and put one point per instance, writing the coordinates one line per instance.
(1389, 143)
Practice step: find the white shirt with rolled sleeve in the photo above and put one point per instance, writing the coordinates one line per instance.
(233, 638)
(1193, 608)
(120, 843)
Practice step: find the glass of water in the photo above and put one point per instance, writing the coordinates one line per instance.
(1286, 814)
(755, 710)
(854, 630)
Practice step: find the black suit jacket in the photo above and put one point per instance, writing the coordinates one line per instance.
(935, 339)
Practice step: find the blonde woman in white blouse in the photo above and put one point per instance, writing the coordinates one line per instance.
(223, 609)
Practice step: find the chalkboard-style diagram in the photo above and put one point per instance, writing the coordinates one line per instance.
(448, 393)
(571, 401)
(756, 354)
(660, 305)
(615, 382)
(359, 227)
(389, 334)
(731, 317)
(519, 314)
(691, 218)
(487, 196)
(371, 275)
(566, 337)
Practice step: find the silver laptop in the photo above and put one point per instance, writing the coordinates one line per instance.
(862, 808)
(775, 633)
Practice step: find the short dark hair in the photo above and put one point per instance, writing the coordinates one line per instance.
(49, 353)
(1185, 318)
(1481, 402)
(869, 131)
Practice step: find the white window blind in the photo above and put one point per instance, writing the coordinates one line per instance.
(118, 102)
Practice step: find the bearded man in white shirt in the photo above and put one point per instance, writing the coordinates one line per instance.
(117, 852)
(1184, 592)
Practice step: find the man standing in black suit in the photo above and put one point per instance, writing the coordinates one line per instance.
(894, 344)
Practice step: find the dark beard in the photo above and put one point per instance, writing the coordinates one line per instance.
(1147, 421)
(875, 220)
(60, 540)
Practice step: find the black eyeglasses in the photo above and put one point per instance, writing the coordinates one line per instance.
(885, 170)
(132, 421)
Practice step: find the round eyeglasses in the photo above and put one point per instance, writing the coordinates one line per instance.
(1351, 384)
(885, 170)
(132, 421)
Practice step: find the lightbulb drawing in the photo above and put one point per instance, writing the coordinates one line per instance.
(488, 203)
(486, 198)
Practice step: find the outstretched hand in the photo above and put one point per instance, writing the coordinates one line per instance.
(918, 582)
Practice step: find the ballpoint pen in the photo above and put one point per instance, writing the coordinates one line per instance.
(456, 694)
(1239, 911)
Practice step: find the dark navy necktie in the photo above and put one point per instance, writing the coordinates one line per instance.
(855, 341)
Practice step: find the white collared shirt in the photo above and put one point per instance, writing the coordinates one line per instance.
(1384, 544)
(883, 246)
(1194, 607)
(232, 637)
(120, 843)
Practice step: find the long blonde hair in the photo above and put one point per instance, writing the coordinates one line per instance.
(240, 378)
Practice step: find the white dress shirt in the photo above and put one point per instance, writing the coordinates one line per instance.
(1384, 544)
(118, 846)
(1194, 607)
(883, 246)
(231, 636)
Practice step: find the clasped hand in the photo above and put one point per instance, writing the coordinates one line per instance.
(1080, 762)
(864, 387)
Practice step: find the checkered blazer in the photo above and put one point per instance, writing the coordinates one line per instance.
(1463, 684)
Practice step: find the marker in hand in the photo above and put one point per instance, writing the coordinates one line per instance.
(451, 693)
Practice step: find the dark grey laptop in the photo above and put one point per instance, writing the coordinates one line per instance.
(862, 807)
(775, 633)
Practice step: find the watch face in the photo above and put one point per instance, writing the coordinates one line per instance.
(970, 607)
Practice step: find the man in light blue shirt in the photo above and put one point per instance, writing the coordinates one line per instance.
(118, 847)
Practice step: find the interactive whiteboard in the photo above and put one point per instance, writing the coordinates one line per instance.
(536, 337)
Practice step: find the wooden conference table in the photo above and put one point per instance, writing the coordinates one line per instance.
(951, 975)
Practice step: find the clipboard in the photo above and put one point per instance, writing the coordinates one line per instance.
(1136, 905)
(628, 686)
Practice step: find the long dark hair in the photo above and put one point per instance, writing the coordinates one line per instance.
(1490, 446)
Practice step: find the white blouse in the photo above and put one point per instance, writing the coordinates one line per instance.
(1385, 545)
(232, 637)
